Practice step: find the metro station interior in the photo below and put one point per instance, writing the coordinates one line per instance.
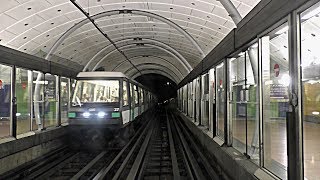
(243, 76)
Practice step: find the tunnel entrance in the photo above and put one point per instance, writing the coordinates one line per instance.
(163, 87)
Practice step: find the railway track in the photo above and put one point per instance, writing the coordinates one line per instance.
(162, 148)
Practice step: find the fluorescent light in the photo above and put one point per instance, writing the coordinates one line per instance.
(255, 45)
(283, 30)
(241, 54)
(285, 80)
(220, 66)
(40, 82)
(18, 114)
(86, 114)
(315, 113)
(311, 13)
(101, 114)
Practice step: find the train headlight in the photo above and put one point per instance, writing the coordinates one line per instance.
(101, 114)
(86, 114)
(315, 113)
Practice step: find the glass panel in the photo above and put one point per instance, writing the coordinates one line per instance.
(198, 99)
(190, 103)
(141, 95)
(275, 82)
(125, 93)
(132, 101)
(72, 87)
(23, 90)
(244, 107)
(64, 98)
(5, 100)
(212, 114)
(51, 102)
(38, 100)
(90, 91)
(185, 98)
(136, 98)
(310, 64)
(237, 106)
(205, 100)
(252, 96)
(220, 99)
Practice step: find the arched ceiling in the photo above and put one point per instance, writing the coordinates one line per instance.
(33, 26)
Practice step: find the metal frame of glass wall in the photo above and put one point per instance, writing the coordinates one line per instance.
(18, 98)
(284, 92)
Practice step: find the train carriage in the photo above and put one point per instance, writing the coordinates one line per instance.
(107, 98)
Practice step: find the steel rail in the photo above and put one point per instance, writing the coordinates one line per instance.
(175, 167)
(138, 161)
(126, 160)
(184, 156)
(106, 170)
(204, 160)
(192, 161)
(88, 166)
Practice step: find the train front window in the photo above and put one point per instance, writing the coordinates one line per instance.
(91, 91)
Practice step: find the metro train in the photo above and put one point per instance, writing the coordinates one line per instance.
(107, 99)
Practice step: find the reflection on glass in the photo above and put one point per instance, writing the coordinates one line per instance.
(132, 101)
(64, 98)
(198, 99)
(125, 93)
(23, 90)
(185, 96)
(205, 100)
(141, 96)
(38, 100)
(212, 98)
(275, 81)
(310, 63)
(92, 91)
(136, 97)
(5, 99)
(244, 109)
(136, 101)
(190, 99)
(220, 98)
(51, 103)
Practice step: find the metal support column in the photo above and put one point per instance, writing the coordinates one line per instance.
(294, 124)
(227, 119)
(13, 103)
(58, 98)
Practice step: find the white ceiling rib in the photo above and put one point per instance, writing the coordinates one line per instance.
(32, 26)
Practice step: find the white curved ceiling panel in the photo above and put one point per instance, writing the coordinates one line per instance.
(33, 26)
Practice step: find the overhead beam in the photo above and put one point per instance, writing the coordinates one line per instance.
(181, 59)
(152, 64)
(154, 71)
(232, 11)
(152, 56)
(117, 12)
(145, 44)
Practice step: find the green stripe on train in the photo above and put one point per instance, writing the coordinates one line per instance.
(115, 114)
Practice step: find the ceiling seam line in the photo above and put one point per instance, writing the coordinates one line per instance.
(100, 30)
